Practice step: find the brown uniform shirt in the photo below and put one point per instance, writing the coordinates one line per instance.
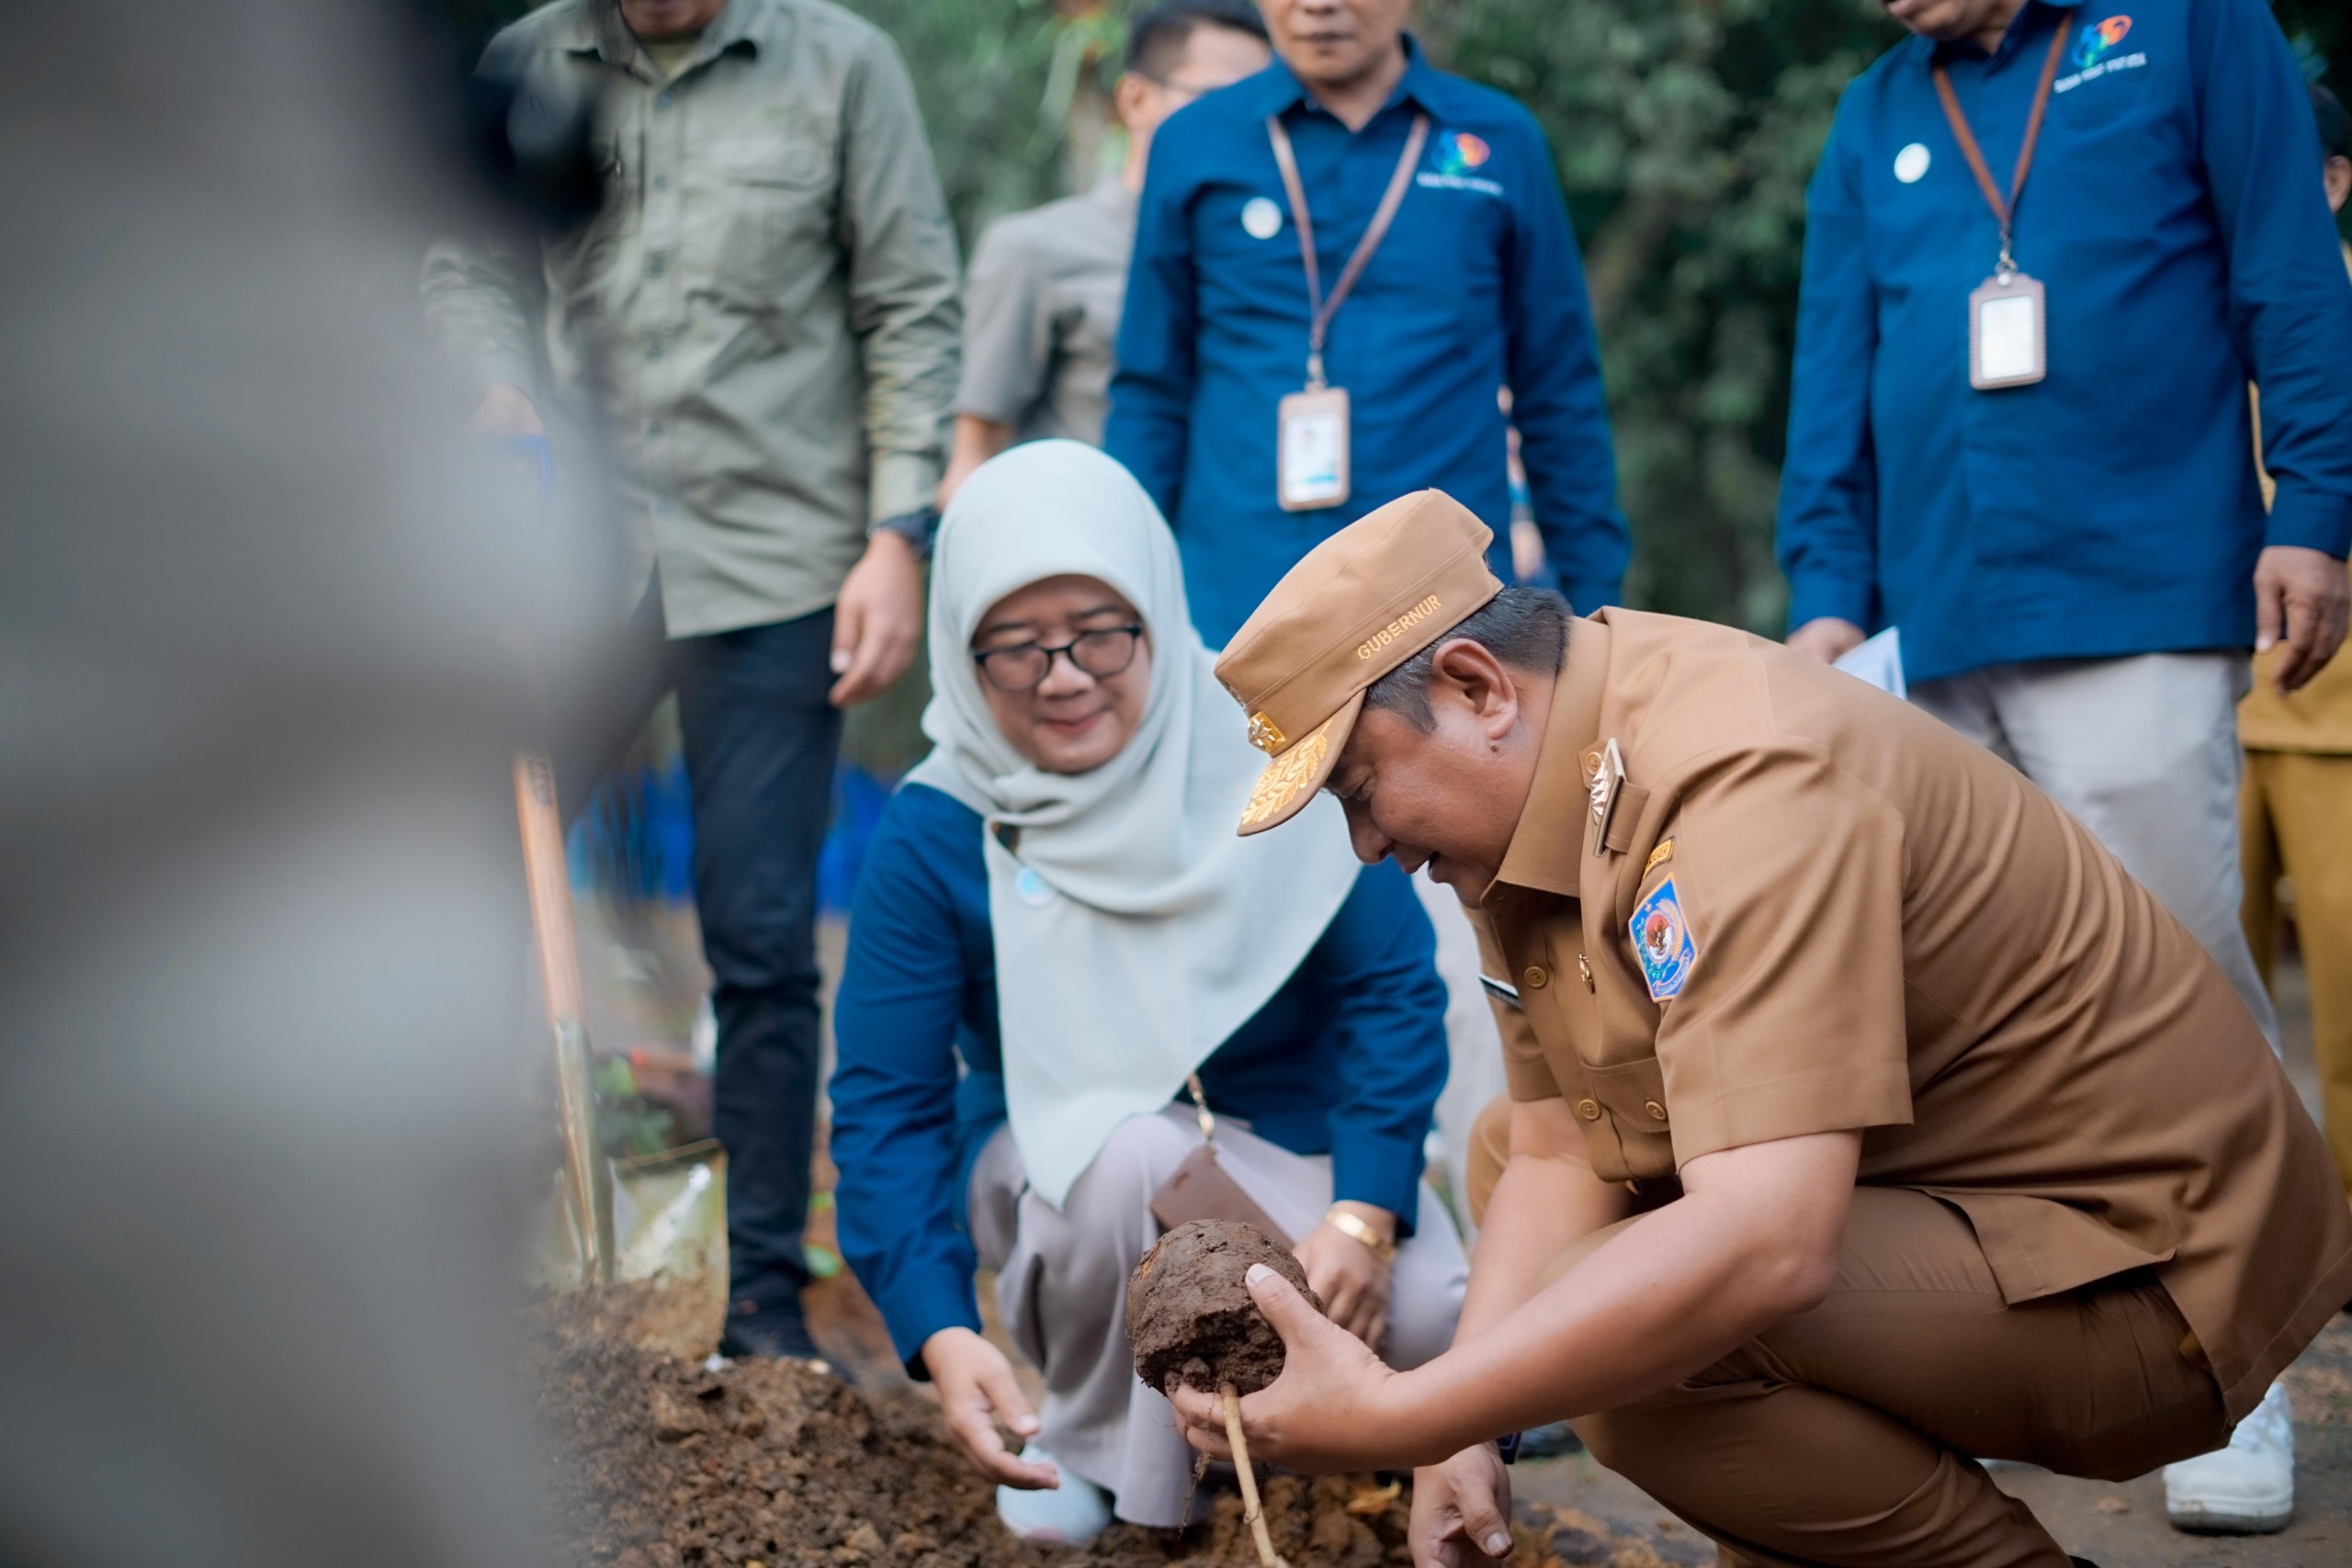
(1888, 929)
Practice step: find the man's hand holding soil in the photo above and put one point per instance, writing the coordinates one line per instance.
(1754, 1239)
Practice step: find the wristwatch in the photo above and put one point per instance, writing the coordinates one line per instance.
(918, 528)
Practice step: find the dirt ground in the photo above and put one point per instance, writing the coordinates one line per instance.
(665, 1461)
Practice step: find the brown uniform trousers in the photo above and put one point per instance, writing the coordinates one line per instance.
(1849, 1434)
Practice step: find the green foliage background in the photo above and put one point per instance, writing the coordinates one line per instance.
(1684, 132)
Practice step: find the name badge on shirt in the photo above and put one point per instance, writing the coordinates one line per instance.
(2006, 347)
(1311, 447)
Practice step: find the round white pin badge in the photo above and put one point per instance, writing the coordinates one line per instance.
(1261, 217)
(1911, 162)
(1033, 890)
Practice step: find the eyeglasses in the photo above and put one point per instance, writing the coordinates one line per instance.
(1023, 667)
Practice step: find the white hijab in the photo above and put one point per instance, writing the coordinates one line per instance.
(1134, 929)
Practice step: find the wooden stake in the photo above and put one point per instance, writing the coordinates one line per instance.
(1249, 1507)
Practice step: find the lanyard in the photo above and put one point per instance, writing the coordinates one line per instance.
(1323, 308)
(2003, 212)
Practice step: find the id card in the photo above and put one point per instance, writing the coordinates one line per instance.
(1311, 449)
(2005, 342)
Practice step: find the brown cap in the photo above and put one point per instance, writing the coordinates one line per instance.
(1362, 603)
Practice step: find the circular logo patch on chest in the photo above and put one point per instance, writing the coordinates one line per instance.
(1033, 890)
(1911, 162)
(1260, 218)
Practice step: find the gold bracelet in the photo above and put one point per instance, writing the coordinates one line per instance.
(1354, 1229)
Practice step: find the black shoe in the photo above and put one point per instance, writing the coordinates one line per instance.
(1549, 1441)
(771, 1330)
(2082, 1563)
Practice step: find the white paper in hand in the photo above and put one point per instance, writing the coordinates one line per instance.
(1879, 660)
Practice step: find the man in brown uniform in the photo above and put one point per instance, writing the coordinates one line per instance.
(1867, 1119)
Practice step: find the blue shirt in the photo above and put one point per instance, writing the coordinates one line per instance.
(1477, 284)
(2173, 213)
(1346, 1059)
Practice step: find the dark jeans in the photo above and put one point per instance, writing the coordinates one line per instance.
(760, 745)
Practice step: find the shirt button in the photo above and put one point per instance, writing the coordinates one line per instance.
(653, 353)
(1657, 1112)
(1584, 970)
(653, 267)
(653, 427)
(1536, 976)
(665, 100)
(1588, 1109)
(661, 181)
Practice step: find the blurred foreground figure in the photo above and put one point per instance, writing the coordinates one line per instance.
(762, 318)
(261, 929)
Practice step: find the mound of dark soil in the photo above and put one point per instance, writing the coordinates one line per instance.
(1189, 1311)
(660, 1463)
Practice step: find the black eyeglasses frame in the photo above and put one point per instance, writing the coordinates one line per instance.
(1132, 631)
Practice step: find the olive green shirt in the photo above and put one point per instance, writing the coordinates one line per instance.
(764, 314)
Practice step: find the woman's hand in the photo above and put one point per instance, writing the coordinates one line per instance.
(977, 1390)
(1351, 1278)
(1461, 1510)
(1324, 1413)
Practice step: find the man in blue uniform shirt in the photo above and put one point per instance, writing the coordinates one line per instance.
(1476, 286)
(2062, 519)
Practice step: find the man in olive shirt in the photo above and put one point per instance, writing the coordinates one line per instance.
(1867, 1119)
(761, 321)
(1042, 304)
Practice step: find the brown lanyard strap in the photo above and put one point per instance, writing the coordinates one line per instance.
(1324, 310)
(2003, 212)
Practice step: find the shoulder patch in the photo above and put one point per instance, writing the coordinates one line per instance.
(1662, 941)
(1659, 856)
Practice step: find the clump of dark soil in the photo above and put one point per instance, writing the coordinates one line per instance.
(660, 1463)
(1189, 1311)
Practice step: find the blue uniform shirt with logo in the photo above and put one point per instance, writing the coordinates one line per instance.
(2173, 213)
(1476, 285)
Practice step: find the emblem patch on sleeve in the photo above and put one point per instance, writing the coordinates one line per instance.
(1662, 943)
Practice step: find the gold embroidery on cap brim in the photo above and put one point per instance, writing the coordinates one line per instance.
(1285, 777)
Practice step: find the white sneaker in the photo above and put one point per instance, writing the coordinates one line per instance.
(2247, 1488)
(1073, 1514)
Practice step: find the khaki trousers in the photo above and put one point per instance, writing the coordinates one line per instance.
(2295, 819)
(1849, 1435)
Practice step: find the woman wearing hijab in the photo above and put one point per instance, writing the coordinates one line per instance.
(1056, 925)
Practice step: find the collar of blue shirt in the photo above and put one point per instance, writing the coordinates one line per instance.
(1279, 90)
(2025, 25)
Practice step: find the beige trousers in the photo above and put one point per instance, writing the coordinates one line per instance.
(1843, 1435)
(2295, 819)
(1061, 1285)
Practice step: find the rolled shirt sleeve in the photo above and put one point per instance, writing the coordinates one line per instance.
(902, 285)
(2290, 303)
(1828, 515)
(1788, 874)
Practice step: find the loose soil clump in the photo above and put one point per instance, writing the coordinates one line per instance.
(1190, 1313)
